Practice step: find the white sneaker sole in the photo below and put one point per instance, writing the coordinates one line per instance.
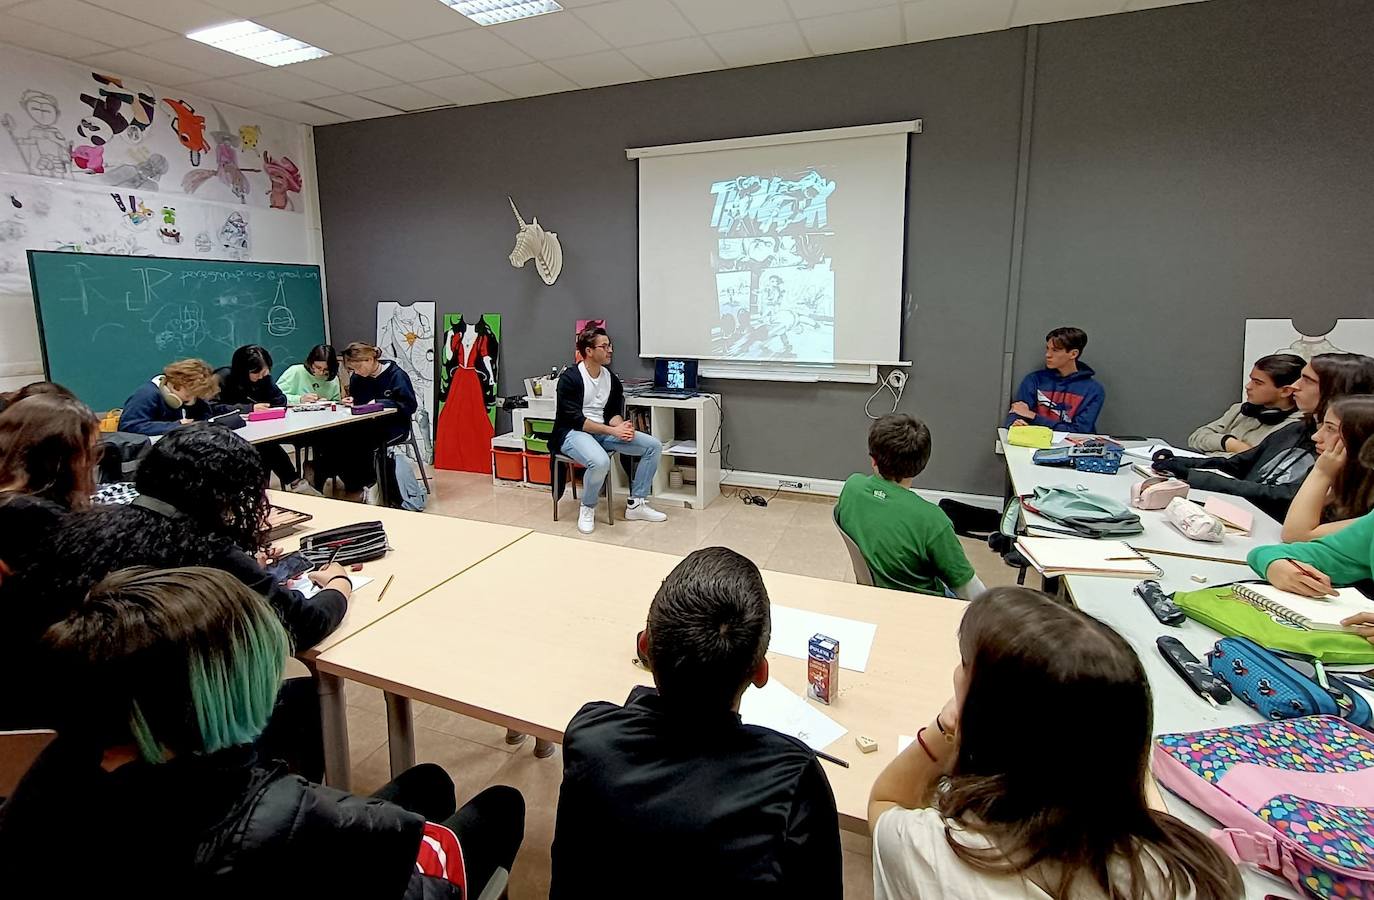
(639, 515)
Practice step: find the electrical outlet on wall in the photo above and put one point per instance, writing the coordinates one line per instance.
(794, 485)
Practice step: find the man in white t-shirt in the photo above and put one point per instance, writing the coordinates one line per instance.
(590, 423)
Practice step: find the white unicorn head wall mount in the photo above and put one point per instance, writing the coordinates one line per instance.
(532, 242)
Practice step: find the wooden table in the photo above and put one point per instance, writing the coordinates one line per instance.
(515, 641)
(426, 551)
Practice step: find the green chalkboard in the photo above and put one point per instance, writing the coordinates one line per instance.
(109, 323)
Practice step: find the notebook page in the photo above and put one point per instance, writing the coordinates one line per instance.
(1328, 611)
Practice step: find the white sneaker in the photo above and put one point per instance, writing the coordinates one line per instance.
(301, 486)
(586, 519)
(641, 511)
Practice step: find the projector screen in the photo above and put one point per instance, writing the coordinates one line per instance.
(778, 249)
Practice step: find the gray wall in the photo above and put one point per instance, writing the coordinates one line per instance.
(1187, 167)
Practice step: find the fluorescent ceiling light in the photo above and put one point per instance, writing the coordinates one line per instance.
(255, 42)
(491, 12)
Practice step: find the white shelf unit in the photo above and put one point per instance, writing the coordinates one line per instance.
(697, 419)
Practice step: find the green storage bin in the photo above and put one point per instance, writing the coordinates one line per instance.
(536, 445)
(538, 426)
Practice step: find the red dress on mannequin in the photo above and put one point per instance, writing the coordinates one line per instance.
(463, 441)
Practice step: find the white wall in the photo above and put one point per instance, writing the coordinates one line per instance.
(276, 235)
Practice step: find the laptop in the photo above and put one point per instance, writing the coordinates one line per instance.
(674, 379)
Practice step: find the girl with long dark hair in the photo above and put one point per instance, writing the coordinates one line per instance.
(1340, 488)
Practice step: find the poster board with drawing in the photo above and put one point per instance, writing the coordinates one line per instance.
(405, 333)
(107, 323)
(469, 385)
(1266, 336)
(577, 329)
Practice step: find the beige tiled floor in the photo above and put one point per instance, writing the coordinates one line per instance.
(793, 534)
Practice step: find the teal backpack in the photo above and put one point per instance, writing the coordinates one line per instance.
(1084, 513)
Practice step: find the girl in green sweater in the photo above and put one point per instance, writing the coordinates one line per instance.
(316, 379)
(1313, 567)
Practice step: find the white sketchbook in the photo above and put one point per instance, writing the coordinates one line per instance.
(774, 706)
(794, 628)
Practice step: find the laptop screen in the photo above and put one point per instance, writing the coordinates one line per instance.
(675, 374)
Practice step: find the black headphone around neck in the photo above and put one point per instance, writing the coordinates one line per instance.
(1267, 415)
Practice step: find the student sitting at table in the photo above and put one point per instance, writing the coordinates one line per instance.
(907, 541)
(1267, 407)
(966, 814)
(693, 802)
(1339, 489)
(351, 455)
(590, 423)
(246, 383)
(315, 379)
(1270, 473)
(33, 389)
(201, 503)
(181, 394)
(153, 787)
(1063, 395)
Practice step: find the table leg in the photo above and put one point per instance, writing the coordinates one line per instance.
(334, 724)
(542, 749)
(400, 730)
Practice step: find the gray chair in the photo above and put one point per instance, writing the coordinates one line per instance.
(559, 461)
(856, 557)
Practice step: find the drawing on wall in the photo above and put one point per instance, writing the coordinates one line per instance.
(405, 332)
(577, 329)
(471, 380)
(189, 128)
(227, 170)
(142, 175)
(532, 242)
(44, 149)
(285, 179)
(116, 110)
(1265, 336)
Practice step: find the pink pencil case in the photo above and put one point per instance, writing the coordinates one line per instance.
(262, 415)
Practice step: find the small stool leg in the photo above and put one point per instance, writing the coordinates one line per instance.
(554, 469)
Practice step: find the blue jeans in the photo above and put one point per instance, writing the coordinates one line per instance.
(590, 450)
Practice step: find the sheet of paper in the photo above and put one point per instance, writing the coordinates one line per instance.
(774, 706)
(904, 741)
(794, 628)
(308, 588)
(1147, 452)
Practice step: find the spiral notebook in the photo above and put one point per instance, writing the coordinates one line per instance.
(1080, 556)
(1309, 613)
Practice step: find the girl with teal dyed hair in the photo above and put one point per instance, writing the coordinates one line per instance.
(154, 784)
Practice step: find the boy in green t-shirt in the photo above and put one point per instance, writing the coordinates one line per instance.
(908, 541)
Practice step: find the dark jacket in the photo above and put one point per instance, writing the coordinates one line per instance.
(1268, 474)
(208, 827)
(242, 394)
(390, 387)
(693, 807)
(568, 415)
(146, 412)
(1062, 402)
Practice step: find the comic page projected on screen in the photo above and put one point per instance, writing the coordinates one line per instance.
(773, 253)
(775, 287)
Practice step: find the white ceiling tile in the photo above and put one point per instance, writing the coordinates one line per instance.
(675, 57)
(179, 16)
(285, 84)
(251, 9)
(136, 65)
(1032, 12)
(201, 57)
(355, 107)
(465, 90)
(340, 73)
(229, 92)
(48, 40)
(810, 9)
(930, 20)
(302, 112)
(729, 15)
(405, 62)
(473, 50)
(550, 36)
(89, 21)
(626, 23)
(765, 44)
(326, 27)
(598, 69)
(408, 19)
(527, 81)
(405, 96)
(861, 30)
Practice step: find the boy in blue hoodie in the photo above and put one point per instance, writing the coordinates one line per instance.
(1063, 395)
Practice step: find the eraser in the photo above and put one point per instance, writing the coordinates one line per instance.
(865, 743)
(1200, 579)
(356, 567)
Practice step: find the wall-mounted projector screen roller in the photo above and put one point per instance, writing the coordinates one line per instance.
(775, 251)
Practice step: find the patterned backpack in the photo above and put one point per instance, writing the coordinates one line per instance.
(1295, 797)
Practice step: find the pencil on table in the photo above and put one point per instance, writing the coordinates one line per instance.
(389, 579)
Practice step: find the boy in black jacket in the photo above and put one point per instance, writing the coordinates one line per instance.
(590, 423)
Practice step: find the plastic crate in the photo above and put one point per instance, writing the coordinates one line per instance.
(536, 445)
(538, 426)
(508, 464)
(537, 468)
